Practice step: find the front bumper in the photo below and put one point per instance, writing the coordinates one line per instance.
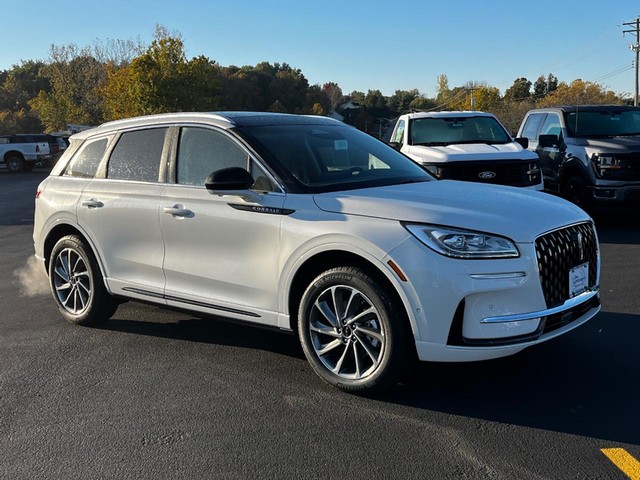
(483, 309)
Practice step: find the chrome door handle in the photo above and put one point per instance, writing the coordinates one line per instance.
(92, 203)
(178, 211)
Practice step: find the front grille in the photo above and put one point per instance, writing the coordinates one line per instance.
(516, 173)
(558, 252)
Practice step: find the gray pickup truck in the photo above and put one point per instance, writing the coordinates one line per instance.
(22, 152)
(589, 154)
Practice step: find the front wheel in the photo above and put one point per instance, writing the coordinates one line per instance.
(575, 190)
(352, 333)
(76, 283)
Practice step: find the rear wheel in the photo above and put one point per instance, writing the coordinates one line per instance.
(76, 283)
(15, 164)
(352, 333)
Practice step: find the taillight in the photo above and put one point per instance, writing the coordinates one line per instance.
(38, 193)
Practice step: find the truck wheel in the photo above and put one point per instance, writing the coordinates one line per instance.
(15, 164)
(353, 334)
(575, 190)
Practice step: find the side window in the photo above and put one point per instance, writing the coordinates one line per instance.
(202, 151)
(551, 125)
(399, 133)
(532, 125)
(84, 163)
(137, 156)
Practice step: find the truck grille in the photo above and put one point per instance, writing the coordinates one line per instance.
(516, 173)
(561, 250)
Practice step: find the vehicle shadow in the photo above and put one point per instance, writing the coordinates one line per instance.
(581, 383)
(619, 225)
(213, 330)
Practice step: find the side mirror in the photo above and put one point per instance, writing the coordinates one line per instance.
(523, 141)
(547, 141)
(395, 145)
(233, 178)
(232, 181)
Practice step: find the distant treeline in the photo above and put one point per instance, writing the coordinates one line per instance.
(125, 78)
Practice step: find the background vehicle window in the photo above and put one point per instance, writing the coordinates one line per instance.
(137, 156)
(532, 125)
(399, 132)
(551, 125)
(85, 163)
(202, 151)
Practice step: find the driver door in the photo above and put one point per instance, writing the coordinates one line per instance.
(221, 252)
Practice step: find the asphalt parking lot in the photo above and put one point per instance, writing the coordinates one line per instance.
(161, 394)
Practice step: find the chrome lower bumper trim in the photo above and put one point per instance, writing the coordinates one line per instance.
(568, 305)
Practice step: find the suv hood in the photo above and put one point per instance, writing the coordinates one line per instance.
(469, 151)
(517, 213)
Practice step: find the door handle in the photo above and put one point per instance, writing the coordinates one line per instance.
(92, 203)
(178, 211)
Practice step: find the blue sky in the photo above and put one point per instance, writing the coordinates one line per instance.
(360, 45)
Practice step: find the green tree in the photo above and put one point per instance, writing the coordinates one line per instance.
(520, 90)
(334, 93)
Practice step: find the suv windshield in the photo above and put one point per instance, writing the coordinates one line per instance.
(603, 123)
(442, 131)
(323, 158)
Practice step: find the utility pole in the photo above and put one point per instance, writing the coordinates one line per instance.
(635, 48)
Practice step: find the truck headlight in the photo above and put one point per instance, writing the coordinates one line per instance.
(456, 243)
(605, 164)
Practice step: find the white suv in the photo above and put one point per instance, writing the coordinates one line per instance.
(306, 224)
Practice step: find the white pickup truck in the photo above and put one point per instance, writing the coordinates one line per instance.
(21, 152)
(471, 146)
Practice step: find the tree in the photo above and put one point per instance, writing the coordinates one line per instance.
(316, 101)
(400, 101)
(443, 93)
(520, 90)
(580, 92)
(544, 86)
(334, 93)
(162, 80)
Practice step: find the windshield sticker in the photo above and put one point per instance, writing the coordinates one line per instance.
(340, 145)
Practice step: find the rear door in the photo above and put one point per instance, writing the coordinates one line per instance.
(119, 211)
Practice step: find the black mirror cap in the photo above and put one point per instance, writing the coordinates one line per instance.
(546, 141)
(233, 178)
(396, 145)
(523, 141)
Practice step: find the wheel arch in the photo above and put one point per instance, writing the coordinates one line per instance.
(571, 168)
(325, 260)
(13, 153)
(62, 230)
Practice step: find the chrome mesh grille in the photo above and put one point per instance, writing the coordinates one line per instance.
(561, 250)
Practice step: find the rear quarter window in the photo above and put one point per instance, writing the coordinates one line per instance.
(85, 162)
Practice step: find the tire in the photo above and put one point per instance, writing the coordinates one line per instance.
(77, 285)
(574, 189)
(352, 333)
(15, 164)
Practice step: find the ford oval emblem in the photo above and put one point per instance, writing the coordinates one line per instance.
(487, 175)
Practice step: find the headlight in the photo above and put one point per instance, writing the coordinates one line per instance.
(456, 243)
(605, 164)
